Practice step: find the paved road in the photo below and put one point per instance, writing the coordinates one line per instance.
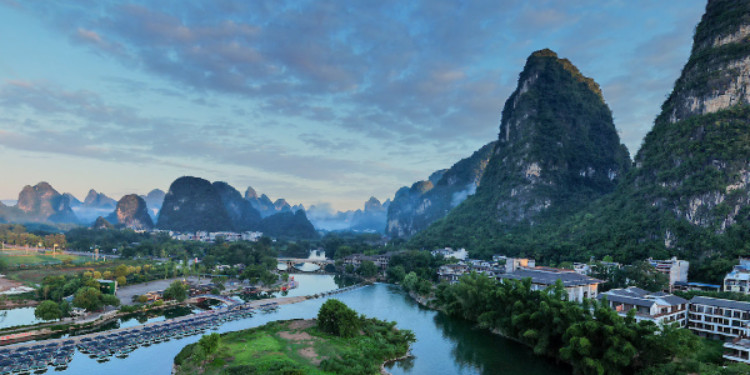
(126, 293)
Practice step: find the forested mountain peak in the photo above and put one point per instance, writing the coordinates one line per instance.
(557, 150)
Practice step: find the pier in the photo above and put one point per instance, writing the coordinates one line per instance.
(24, 358)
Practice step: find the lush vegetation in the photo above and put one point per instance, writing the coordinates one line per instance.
(176, 291)
(338, 319)
(16, 234)
(297, 347)
(591, 337)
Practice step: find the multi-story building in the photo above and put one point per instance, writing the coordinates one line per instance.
(512, 264)
(718, 318)
(447, 252)
(687, 286)
(452, 272)
(675, 269)
(739, 279)
(579, 287)
(738, 350)
(658, 307)
(582, 268)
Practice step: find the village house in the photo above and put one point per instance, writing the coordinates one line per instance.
(658, 307)
(738, 280)
(675, 269)
(579, 287)
(718, 318)
(447, 252)
(452, 272)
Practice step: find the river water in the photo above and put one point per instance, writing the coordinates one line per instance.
(444, 345)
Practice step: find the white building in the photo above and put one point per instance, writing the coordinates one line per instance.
(579, 287)
(452, 272)
(739, 279)
(718, 318)
(658, 307)
(447, 252)
(582, 268)
(675, 269)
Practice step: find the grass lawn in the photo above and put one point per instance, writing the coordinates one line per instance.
(295, 347)
(17, 258)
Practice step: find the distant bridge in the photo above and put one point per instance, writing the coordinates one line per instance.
(224, 299)
(292, 261)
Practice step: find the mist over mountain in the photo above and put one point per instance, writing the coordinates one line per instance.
(416, 207)
(154, 200)
(42, 202)
(371, 219)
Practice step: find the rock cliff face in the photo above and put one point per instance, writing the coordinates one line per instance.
(695, 161)
(262, 203)
(557, 150)
(43, 203)
(289, 225)
(414, 209)
(242, 214)
(193, 204)
(131, 212)
(99, 200)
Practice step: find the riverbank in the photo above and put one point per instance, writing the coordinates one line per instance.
(297, 346)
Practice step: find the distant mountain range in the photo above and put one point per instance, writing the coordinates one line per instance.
(371, 219)
(193, 204)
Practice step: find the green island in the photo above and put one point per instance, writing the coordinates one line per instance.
(338, 342)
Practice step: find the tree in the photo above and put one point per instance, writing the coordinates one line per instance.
(410, 281)
(176, 291)
(110, 300)
(395, 274)
(210, 343)
(48, 310)
(121, 280)
(368, 269)
(338, 319)
(88, 298)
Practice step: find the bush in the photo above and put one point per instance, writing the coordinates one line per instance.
(338, 319)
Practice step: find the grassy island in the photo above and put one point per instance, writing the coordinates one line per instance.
(337, 342)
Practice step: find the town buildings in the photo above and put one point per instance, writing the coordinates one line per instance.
(658, 307)
(675, 269)
(738, 280)
(718, 318)
(447, 252)
(579, 287)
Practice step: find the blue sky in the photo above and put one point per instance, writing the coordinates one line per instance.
(312, 101)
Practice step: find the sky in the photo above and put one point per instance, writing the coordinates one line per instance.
(313, 101)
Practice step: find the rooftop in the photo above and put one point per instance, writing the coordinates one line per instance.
(717, 302)
(548, 276)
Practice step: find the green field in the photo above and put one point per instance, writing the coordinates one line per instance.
(296, 347)
(15, 258)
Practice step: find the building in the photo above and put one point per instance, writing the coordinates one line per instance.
(675, 269)
(447, 252)
(582, 268)
(738, 350)
(512, 264)
(579, 287)
(687, 286)
(107, 286)
(658, 307)
(718, 318)
(452, 272)
(738, 280)
(381, 261)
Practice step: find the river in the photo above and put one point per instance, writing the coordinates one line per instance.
(444, 345)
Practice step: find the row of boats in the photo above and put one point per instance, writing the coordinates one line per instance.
(37, 358)
(103, 346)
